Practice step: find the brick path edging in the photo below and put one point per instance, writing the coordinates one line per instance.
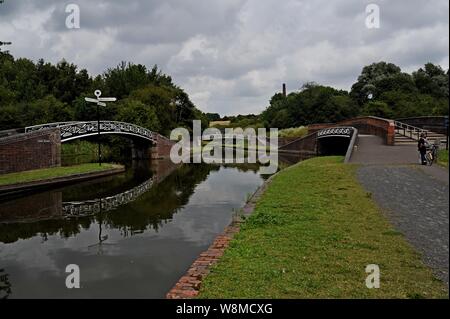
(188, 286)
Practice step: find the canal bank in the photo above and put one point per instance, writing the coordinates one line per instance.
(52, 177)
(139, 230)
(312, 235)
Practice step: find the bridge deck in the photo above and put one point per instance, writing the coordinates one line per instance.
(372, 150)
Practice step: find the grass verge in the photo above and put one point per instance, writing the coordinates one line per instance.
(312, 235)
(48, 173)
(443, 158)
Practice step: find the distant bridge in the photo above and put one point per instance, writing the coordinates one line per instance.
(75, 130)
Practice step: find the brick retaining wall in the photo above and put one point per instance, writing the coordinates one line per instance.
(35, 150)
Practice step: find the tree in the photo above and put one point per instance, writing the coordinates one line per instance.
(432, 80)
(134, 111)
(46, 110)
(33, 93)
(312, 104)
(375, 108)
(396, 94)
(213, 116)
(374, 79)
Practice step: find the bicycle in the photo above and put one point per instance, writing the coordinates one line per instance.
(431, 154)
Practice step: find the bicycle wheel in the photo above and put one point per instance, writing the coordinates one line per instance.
(429, 158)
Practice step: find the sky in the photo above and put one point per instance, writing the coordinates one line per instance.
(231, 56)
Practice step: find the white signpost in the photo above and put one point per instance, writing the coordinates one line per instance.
(99, 101)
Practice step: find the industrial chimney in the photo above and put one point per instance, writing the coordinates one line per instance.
(284, 89)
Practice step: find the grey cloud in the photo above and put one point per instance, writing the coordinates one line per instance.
(232, 55)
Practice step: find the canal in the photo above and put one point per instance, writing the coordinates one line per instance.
(132, 235)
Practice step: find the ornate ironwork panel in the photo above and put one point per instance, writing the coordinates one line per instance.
(91, 207)
(336, 132)
(76, 130)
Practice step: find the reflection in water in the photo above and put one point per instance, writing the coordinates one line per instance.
(148, 229)
(5, 285)
(101, 239)
(90, 207)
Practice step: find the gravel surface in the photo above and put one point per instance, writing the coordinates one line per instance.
(417, 204)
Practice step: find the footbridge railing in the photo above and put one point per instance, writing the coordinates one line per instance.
(75, 130)
(409, 130)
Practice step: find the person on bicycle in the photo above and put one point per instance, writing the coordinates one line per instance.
(422, 146)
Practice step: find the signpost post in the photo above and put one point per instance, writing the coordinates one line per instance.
(100, 101)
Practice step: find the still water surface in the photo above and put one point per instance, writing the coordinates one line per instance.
(151, 225)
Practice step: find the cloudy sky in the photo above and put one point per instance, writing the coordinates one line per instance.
(232, 55)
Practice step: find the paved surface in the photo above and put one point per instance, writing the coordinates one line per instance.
(414, 198)
(371, 150)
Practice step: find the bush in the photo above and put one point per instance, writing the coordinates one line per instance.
(294, 132)
(82, 152)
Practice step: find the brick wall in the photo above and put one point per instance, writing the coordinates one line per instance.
(365, 125)
(162, 148)
(307, 144)
(35, 150)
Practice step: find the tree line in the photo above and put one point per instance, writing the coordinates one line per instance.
(382, 90)
(36, 93)
(42, 92)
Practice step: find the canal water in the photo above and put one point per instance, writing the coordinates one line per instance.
(132, 235)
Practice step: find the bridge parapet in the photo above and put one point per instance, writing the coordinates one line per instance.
(75, 130)
(372, 125)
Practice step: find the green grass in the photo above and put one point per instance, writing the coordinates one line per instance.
(48, 173)
(443, 158)
(312, 235)
(294, 132)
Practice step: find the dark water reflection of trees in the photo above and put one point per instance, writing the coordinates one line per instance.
(151, 210)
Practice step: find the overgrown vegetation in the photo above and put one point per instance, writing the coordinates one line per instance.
(293, 132)
(312, 235)
(47, 173)
(82, 151)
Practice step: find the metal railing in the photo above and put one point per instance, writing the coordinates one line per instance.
(91, 207)
(75, 130)
(410, 131)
